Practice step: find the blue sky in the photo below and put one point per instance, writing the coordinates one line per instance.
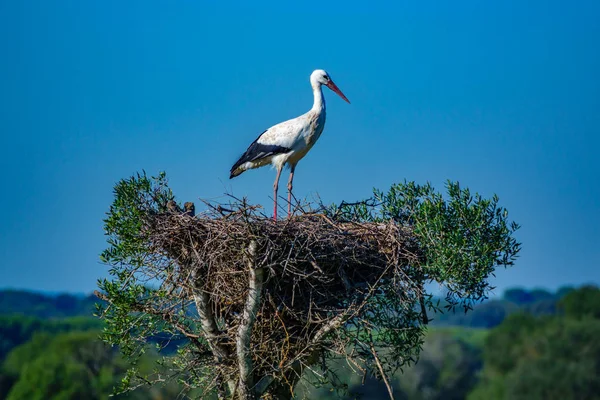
(501, 96)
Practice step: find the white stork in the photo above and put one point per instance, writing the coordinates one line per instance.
(289, 141)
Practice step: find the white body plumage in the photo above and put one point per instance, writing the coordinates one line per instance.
(298, 135)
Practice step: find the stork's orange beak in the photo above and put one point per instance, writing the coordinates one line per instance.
(333, 87)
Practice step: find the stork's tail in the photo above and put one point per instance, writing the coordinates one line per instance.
(238, 167)
(235, 171)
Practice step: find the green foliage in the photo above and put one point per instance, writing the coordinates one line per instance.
(15, 330)
(447, 369)
(472, 337)
(447, 366)
(61, 367)
(582, 303)
(463, 238)
(19, 302)
(556, 357)
(134, 198)
(562, 363)
(128, 325)
(491, 313)
(523, 296)
(487, 314)
(74, 365)
(502, 347)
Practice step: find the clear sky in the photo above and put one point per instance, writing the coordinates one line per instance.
(502, 96)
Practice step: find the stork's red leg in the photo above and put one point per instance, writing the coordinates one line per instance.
(293, 167)
(275, 187)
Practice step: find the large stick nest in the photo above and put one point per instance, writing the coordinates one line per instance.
(315, 270)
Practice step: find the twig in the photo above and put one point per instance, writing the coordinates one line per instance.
(387, 384)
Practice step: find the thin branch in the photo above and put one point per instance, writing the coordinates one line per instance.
(380, 367)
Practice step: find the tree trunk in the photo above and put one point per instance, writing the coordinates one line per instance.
(255, 281)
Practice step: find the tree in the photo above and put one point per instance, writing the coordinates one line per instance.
(582, 303)
(556, 357)
(485, 315)
(15, 330)
(19, 302)
(518, 296)
(260, 302)
(68, 366)
(74, 365)
(446, 369)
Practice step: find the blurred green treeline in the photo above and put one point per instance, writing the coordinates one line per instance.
(529, 344)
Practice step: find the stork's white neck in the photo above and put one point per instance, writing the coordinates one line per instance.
(319, 103)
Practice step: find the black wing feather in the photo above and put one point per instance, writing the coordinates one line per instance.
(256, 151)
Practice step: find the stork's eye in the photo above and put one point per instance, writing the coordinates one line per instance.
(326, 77)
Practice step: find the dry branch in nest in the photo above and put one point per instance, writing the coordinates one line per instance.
(271, 295)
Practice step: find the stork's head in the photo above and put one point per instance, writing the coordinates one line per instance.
(321, 77)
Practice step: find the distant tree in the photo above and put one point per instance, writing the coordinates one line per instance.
(32, 304)
(582, 303)
(69, 366)
(72, 366)
(447, 368)
(488, 314)
(16, 329)
(502, 347)
(542, 295)
(523, 296)
(492, 313)
(550, 357)
(542, 307)
(518, 296)
(561, 362)
(261, 301)
(563, 290)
